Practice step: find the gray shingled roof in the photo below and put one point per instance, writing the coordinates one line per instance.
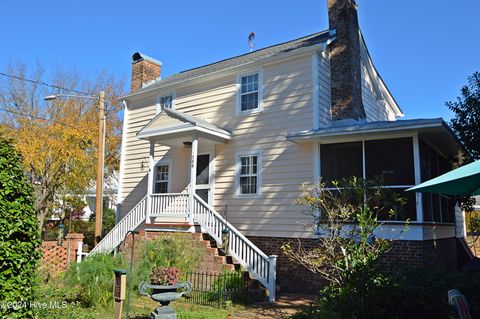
(267, 52)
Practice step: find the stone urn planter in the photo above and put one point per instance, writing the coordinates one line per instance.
(164, 288)
(164, 295)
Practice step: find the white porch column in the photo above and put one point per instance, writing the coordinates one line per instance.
(193, 177)
(418, 177)
(151, 172)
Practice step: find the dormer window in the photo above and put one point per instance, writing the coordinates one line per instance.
(250, 93)
(164, 102)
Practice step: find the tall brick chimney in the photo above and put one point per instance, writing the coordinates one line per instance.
(345, 68)
(144, 70)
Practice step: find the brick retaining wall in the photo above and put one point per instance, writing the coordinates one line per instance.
(56, 257)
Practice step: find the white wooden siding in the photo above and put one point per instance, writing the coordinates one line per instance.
(376, 108)
(323, 82)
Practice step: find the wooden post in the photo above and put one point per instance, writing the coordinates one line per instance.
(100, 167)
(79, 251)
(151, 176)
(272, 277)
(119, 288)
(193, 177)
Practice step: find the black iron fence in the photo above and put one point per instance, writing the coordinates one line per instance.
(210, 289)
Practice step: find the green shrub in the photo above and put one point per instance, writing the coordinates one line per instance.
(87, 228)
(19, 235)
(94, 279)
(175, 250)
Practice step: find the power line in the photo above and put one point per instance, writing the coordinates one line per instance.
(48, 85)
(41, 118)
(42, 83)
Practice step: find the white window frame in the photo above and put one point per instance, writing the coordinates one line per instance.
(260, 92)
(165, 162)
(238, 166)
(160, 96)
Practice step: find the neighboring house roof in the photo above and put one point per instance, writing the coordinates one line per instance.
(247, 58)
(172, 123)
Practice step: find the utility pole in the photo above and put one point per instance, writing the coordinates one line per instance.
(100, 167)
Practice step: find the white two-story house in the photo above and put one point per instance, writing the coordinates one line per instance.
(227, 147)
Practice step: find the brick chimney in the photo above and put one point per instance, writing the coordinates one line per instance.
(345, 68)
(144, 70)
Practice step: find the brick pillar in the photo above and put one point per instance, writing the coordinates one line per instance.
(71, 244)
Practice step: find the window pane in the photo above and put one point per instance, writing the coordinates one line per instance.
(253, 185)
(341, 160)
(245, 167)
(248, 185)
(391, 160)
(166, 102)
(244, 185)
(161, 179)
(249, 101)
(161, 187)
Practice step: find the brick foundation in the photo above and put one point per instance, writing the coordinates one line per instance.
(292, 277)
(423, 253)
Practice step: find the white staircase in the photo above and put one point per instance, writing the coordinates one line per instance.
(115, 237)
(260, 266)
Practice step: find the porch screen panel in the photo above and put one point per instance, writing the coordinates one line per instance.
(390, 163)
(436, 208)
(341, 160)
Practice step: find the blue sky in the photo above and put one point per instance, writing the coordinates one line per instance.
(424, 49)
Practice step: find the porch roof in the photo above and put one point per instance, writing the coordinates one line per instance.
(435, 130)
(172, 124)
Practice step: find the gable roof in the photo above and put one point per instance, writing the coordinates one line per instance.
(173, 122)
(250, 57)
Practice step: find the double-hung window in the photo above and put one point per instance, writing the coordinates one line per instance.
(164, 102)
(250, 93)
(248, 174)
(161, 179)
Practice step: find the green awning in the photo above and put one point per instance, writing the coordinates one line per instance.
(463, 181)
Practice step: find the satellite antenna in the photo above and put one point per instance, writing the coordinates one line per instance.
(251, 37)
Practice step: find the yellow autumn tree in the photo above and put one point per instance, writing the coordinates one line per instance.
(58, 139)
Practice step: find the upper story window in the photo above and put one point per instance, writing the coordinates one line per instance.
(250, 93)
(249, 174)
(164, 102)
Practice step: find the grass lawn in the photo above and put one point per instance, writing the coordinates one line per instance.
(140, 307)
(54, 301)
